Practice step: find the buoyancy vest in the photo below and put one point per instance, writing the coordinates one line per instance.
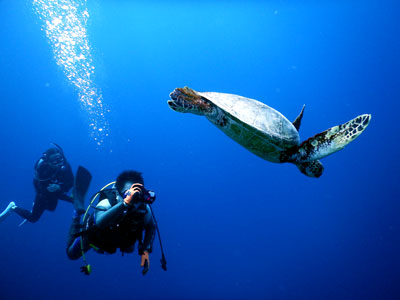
(122, 234)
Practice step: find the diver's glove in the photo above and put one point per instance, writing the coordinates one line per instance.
(133, 194)
(145, 262)
(54, 187)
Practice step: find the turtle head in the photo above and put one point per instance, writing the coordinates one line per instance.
(186, 100)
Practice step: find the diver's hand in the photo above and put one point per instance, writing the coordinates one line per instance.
(145, 262)
(54, 187)
(133, 194)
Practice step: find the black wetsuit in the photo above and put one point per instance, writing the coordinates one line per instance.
(118, 227)
(45, 200)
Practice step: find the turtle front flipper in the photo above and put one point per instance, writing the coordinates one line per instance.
(329, 141)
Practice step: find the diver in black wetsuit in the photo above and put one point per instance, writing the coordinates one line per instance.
(120, 218)
(53, 178)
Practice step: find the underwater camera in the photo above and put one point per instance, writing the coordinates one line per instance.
(145, 196)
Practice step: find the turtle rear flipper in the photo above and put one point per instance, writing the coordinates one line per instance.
(330, 141)
(297, 122)
(311, 169)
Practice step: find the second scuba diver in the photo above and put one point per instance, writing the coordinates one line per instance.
(121, 216)
(52, 180)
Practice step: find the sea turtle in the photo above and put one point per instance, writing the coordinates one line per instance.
(265, 131)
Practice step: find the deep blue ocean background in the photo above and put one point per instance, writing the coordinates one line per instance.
(233, 226)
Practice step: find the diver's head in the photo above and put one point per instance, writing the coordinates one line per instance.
(49, 164)
(54, 157)
(126, 179)
(187, 100)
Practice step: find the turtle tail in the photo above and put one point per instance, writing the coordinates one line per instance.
(311, 169)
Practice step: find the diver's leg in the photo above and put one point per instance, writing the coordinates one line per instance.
(9, 209)
(34, 215)
(74, 247)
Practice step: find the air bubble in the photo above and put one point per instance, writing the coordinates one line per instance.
(64, 23)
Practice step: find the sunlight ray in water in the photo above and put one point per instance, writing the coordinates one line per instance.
(64, 22)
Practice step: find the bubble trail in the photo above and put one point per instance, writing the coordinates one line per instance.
(64, 22)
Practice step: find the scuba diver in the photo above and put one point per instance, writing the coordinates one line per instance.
(52, 180)
(120, 218)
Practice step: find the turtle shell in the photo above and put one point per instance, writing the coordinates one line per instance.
(256, 126)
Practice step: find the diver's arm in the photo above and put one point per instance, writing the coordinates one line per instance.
(107, 215)
(150, 231)
(41, 186)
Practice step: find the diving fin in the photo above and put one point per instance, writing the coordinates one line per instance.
(7, 211)
(81, 186)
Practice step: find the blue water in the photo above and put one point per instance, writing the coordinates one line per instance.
(233, 226)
